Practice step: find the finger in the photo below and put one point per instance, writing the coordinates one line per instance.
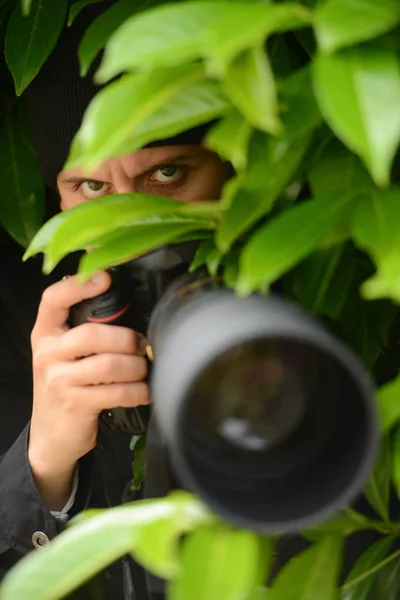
(98, 338)
(104, 369)
(58, 298)
(111, 395)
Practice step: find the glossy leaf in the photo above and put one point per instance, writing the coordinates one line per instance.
(340, 23)
(358, 91)
(375, 230)
(85, 549)
(77, 7)
(100, 30)
(141, 237)
(250, 86)
(218, 563)
(22, 198)
(181, 33)
(30, 39)
(311, 575)
(378, 489)
(138, 109)
(389, 404)
(286, 239)
(271, 165)
(230, 138)
(370, 558)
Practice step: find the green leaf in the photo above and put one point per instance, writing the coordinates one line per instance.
(87, 223)
(386, 583)
(321, 283)
(150, 107)
(218, 563)
(137, 239)
(30, 39)
(230, 138)
(396, 461)
(286, 239)
(299, 110)
(311, 575)
(77, 7)
(247, 26)
(26, 7)
(100, 30)
(138, 446)
(358, 91)
(22, 199)
(370, 558)
(203, 251)
(340, 23)
(377, 490)
(183, 32)
(271, 165)
(389, 403)
(337, 169)
(249, 84)
(344, 524)
(85, 549)
(375, 230)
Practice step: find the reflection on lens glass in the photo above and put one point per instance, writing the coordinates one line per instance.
(255, 395)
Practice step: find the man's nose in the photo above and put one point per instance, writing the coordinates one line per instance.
(125, 186)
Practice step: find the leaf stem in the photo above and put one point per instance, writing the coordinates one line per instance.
(370, 572)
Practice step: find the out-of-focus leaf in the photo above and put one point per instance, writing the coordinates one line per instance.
(375, 231)
(249, 84)
(386, 583)
(100, 30)
(30, 39)
(311, 575)
(22, 198)
(85, 549)
(340, 23)
(389, 404)
(337, 169)
(137, 109)
(141, 237)
(230, 138)
(26, 7)
(218, 563)
(358, 91)
(370, 558)
(378, 488)
(396, 461)
(272, 163)
(299, 110)
(181, 33)
(344, 524)
(77, 7)
(286, 239)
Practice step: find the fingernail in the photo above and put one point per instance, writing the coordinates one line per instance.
(143, 344)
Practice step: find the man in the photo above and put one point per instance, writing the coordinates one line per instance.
(54, 465)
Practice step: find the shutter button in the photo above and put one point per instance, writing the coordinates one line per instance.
(39, 539)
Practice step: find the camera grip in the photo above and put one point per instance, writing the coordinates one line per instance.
(112, 307)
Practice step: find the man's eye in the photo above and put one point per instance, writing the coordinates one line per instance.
(167, 174)
(93, 189)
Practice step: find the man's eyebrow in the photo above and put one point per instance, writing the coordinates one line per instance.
(77, 180)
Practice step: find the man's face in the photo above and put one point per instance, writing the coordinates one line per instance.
(187, 173)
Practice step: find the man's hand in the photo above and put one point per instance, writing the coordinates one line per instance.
(77, 373)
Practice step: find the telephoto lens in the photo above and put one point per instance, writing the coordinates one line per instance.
(266, 415)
